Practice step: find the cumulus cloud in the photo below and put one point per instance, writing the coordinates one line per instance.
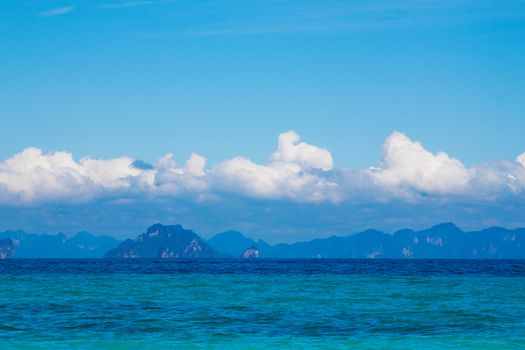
(33, 176)
(408, 165)
(521, 159)
(290, 150)
(274, 180)
(171, 179)
(295, 171)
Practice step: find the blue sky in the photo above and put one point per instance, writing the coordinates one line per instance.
(217, 77)
(142, 78)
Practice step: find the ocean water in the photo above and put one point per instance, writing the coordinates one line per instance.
(262, 304)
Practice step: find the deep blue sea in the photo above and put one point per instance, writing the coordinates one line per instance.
(262, 304)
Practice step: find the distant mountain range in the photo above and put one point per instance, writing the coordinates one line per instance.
(82, 245)
(444, 241)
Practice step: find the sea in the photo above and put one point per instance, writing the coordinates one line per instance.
(262, 304)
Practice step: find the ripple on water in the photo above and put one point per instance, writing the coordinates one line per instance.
(266, 304)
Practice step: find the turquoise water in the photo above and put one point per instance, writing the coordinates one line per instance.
(243, 305)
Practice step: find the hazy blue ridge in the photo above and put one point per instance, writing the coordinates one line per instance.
(233, 243)
(443, 241)
(82, 245)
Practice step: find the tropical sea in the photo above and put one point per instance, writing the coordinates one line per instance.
(262, 304)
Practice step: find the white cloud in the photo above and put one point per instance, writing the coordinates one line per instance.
(171, 179)
(110, 173)
(521, 159)
(195, 165)
(290, 150)
(274, 180)
(408, 166)
(33, 176)
(295, 171)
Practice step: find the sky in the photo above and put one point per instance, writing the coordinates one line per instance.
(284, 119)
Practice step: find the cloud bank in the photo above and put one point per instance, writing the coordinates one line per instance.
(296, 171)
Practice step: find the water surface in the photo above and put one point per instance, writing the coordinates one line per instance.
(262, 304)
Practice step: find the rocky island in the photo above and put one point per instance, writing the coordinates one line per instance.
(164, 242)
(6, 248)
(251, 253)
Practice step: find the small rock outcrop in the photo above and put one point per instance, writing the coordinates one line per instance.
(251, 253)
(7, 248)
(164, 242)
